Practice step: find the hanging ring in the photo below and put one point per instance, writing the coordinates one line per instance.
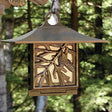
(49, 13)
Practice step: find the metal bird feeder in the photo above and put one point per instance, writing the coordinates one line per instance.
(53, 60)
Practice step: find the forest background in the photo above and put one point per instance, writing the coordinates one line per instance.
(89, 17)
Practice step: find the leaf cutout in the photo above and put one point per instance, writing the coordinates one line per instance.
(40, 66)
(42, 63)
(38, 75)
(43, 54)
(64, 57)
(71, 51)
(67, 63)
(61, 64)
(42, 59)
(49, 79)
(65, 77)
(61, 81)
(63, 69)
(66, 50)
(53, 56)
(69, 66)
(59, 60)
(56, 45)
(54, 73)
(47, 47)
(41, 80)
(44, 50)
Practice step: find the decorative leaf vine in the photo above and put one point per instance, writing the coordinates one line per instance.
(60, 66)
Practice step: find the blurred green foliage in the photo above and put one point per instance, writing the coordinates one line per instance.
(97, 94)
(60, 104)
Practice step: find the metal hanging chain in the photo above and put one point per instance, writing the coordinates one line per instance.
(52, 6)
(55, 6)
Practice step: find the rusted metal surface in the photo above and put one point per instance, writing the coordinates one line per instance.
(5, 3)
(54, 33)
(17, 2)
(39, 2)
(57, 33)
(55, 69)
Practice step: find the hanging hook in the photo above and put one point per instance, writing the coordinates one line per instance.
(46, 19)
(53, 11)
(55, 6)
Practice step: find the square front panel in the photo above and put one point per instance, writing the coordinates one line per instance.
(55, 69)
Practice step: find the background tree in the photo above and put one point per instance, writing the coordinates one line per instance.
(3, 103)
(9, 25)
(94, 79)
(74, 25)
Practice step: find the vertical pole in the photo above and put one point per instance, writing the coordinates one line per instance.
(55, 7)
(3, 96)
(98, 26)
(74, 15)
(41, 104)
(42, 100)
(9, 26)
(99, 34)
(74, 25)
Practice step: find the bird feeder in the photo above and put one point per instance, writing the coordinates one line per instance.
(53, 59)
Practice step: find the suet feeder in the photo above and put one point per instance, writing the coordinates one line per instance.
(53, 59)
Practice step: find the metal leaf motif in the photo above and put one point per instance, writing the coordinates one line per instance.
(17, 2)
(55, 68)
(67, 63)
(4, 4)
(41, 2)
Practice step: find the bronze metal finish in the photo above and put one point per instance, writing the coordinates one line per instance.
(41, 2)
(5, 3)
(54, 33)
(54, 63)
(17, 2)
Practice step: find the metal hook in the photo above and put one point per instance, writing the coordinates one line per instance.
(46, 17)
(53, 1)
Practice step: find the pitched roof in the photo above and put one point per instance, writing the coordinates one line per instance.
(54, 33)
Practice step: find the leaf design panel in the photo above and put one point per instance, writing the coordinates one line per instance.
(17, 2)
(54, 65)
